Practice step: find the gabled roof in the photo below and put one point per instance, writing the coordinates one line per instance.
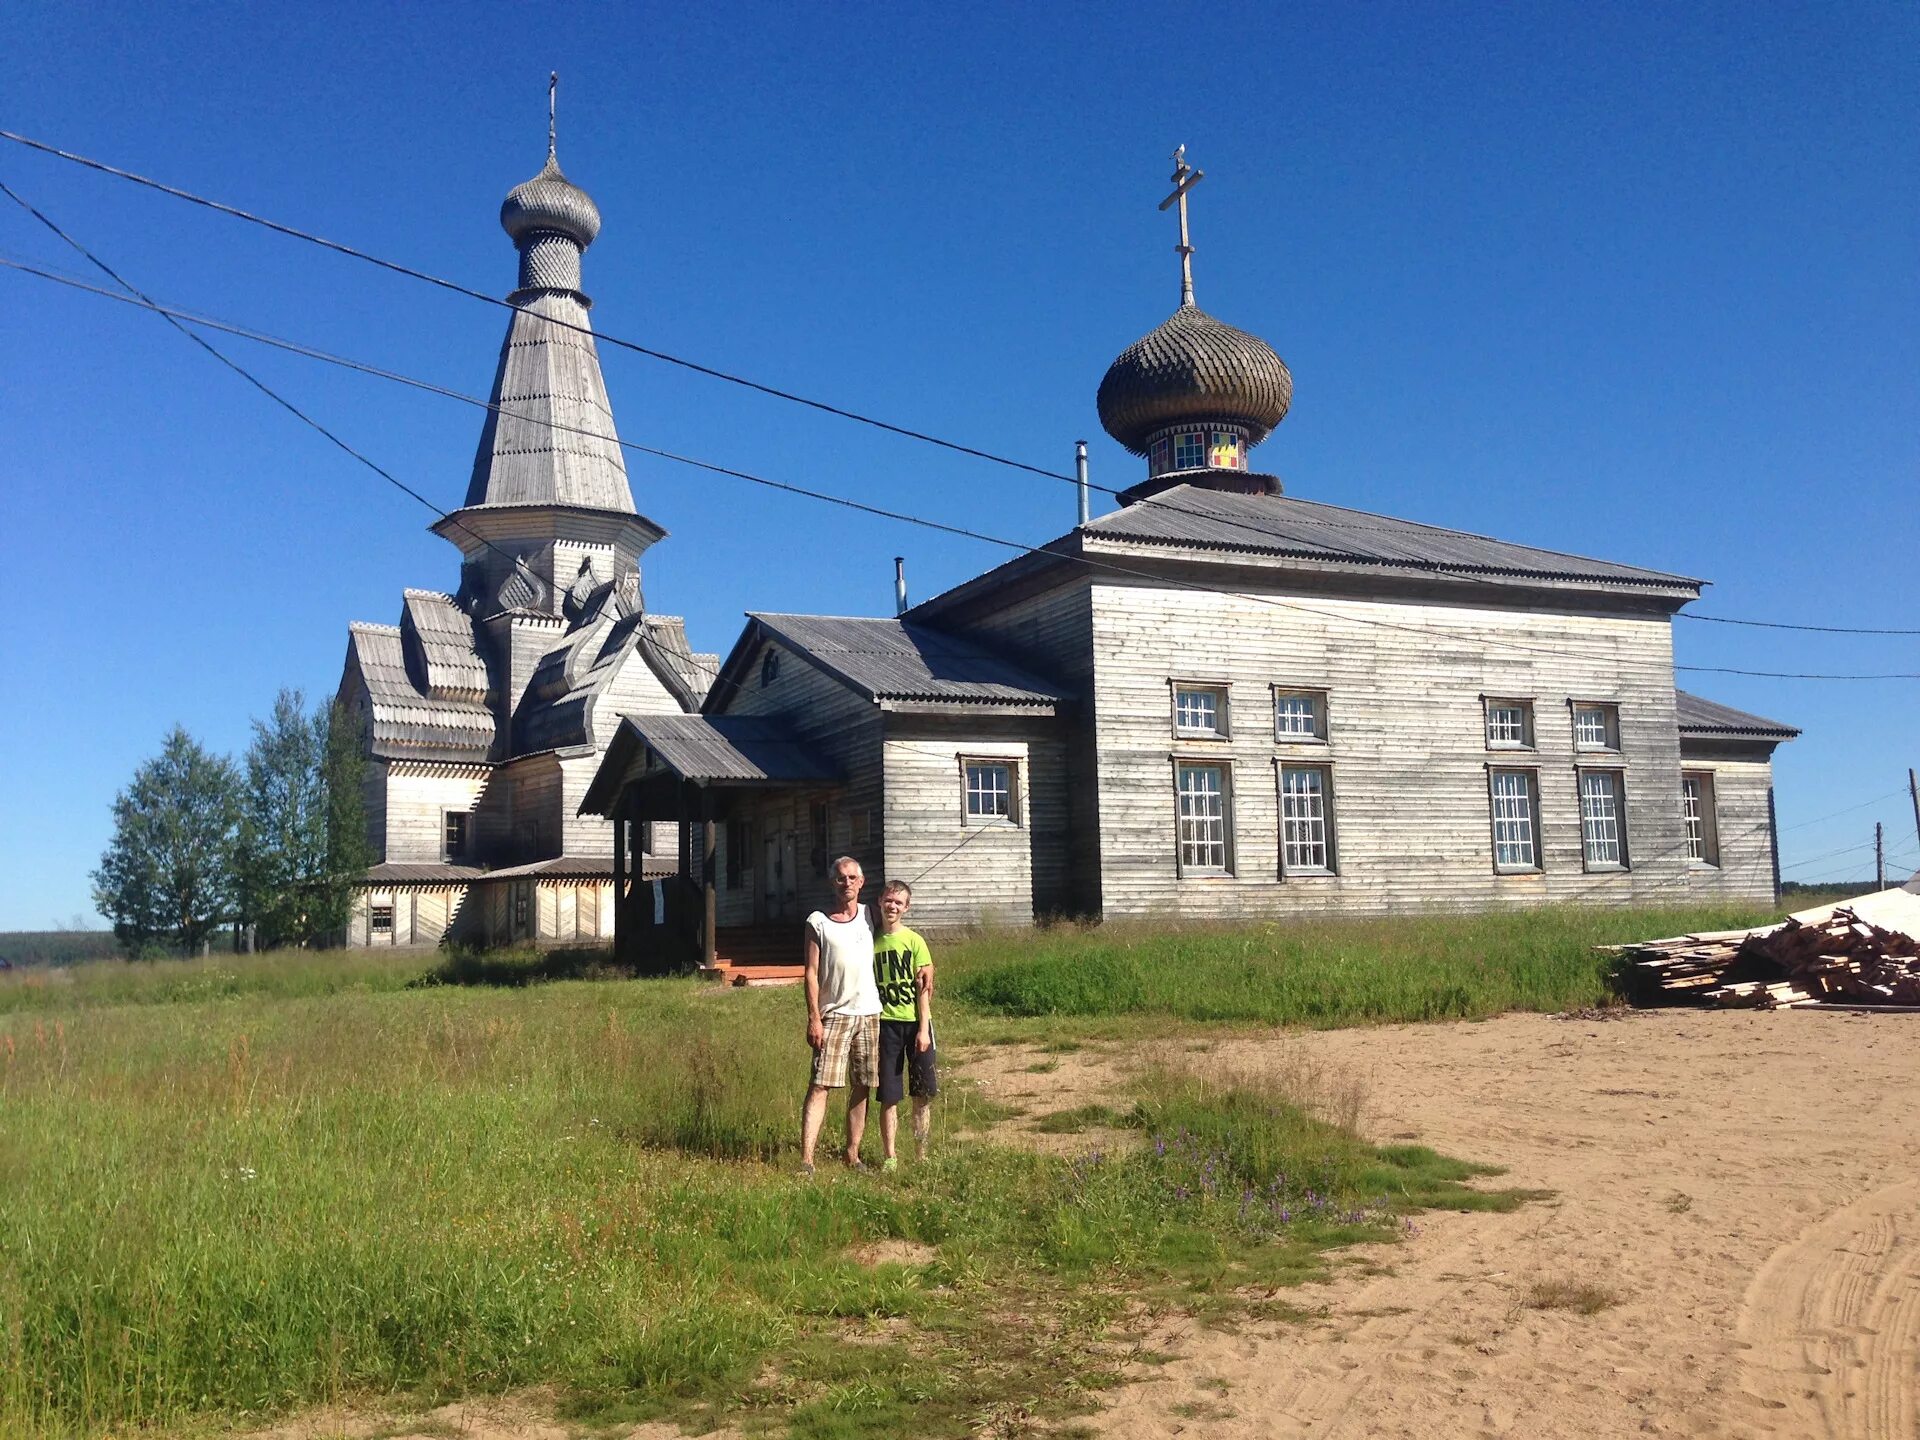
(711, 749)
(1706, 717)
(446, 647)
(1195, 518)
(409, 724)
(888, 660)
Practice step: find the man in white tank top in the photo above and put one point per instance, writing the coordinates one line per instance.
(843, 1011)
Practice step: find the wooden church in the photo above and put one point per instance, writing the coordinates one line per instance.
(485, 711)
(1218, 701)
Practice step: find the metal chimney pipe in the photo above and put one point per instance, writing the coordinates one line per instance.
(1080, 471)
(899, 584)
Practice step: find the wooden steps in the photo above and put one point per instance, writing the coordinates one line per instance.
(756, 955)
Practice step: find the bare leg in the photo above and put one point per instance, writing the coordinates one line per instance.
(889, 1127)
(922, 1125)
(813, 1114)
(856, 1121)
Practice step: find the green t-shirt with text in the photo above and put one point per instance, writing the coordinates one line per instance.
(897, 958)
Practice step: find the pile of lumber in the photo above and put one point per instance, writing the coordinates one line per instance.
(1864, 951)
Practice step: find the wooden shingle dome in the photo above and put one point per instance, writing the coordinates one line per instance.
(1194, 370)
(550, 204)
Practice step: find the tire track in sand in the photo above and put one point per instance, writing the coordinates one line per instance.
(1833, 1322)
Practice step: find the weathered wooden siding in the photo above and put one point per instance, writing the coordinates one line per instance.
(841, 726)
(1742, 783)
(421, 915)
(1050, 633)
(417, 796)
(1406, 748)
(969, 872)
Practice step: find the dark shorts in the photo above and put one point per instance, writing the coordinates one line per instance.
(899, 1060)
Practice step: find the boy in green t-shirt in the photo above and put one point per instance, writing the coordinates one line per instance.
(903, 970)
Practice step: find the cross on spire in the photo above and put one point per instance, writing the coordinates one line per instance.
(553, 91)
(1185, 177)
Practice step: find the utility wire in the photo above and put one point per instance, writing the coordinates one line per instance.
(455, 287)
(1878, 800)
(881, 512)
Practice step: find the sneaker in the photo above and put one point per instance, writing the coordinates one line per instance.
(890, 1164)
(856, 1163)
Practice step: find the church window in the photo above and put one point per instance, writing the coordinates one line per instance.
(1306, 819)
(1603, 837)
(1299, 714)
(769, 667)
(1516, 820)
(820, 823)
(1161, 459)
(989, 790)
(1200, 710)
(1190, 450)
(1509, 724)
(1224, 454)
(739, 840)
(1596, 727)
(1204, 840)
(381, 920)
(455, 833)
(1697, 809)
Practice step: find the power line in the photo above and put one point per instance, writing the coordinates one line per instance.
(882, 512)
(455, 287)
(1879, 800)
(1781, 625)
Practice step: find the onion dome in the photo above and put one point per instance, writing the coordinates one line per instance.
(1194, 370)
(550, 204)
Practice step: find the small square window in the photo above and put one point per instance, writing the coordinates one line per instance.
(1516, 820)
(1509, 724)
(1224, 453)
(1190, 450)
(1299, 714)
(1603, 827)
(1596, 726)
(1200, 710)
(381, 921)
(1703, 824)
(1204, 842)
(989, 791)
(1306, 820)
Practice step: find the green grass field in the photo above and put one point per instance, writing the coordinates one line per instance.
(242, 1186)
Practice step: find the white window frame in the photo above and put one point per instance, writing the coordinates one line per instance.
(1496, 818)
(1596, 821)
(968, 791)
(1491, 703)
(1609, 713)
(1329, 863)
(1221, 691)
(1182, 819)
(1317, 699)
(1699, 812)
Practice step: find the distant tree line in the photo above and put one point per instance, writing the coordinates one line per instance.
(270, 846)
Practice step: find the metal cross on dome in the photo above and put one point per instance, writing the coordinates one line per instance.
(553, 92)
(1185, 177)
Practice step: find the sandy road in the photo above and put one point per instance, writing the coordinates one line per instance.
(1747, 1185)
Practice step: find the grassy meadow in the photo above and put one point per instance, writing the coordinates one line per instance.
(241, 1186)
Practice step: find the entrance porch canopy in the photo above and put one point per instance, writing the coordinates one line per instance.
(689, 768)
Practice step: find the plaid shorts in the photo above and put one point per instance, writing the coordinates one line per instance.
(852, 1044)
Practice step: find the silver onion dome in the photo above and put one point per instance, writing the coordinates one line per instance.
(1194, 369)
(550, 204)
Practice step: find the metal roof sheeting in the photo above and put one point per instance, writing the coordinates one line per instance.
(1280, 525)
(891, 660)
(743, 748)
(1700, 716)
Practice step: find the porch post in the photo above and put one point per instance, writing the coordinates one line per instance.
(680, 914)
(622, 941)
(707, 849)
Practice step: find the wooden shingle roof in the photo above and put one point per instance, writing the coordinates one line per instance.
(409, 723)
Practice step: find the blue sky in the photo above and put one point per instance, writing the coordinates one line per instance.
(1636, 282)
